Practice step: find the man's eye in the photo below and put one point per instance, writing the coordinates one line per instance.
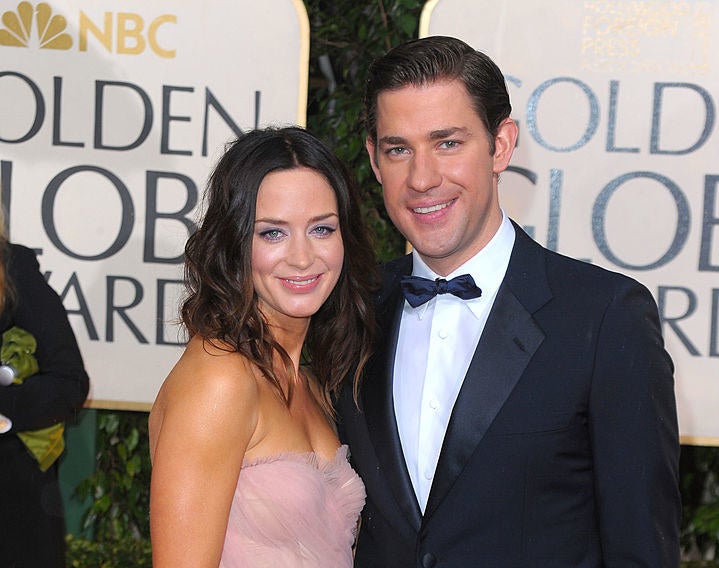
(449, 144)
(396, 151)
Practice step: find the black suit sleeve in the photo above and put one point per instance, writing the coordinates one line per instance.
(634, 435)
(58, 391)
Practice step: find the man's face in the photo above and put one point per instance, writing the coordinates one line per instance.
(438, 177)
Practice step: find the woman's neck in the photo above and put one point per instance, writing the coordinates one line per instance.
(292, 338)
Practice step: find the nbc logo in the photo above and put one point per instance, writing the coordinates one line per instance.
(19, 24)
(123, 33)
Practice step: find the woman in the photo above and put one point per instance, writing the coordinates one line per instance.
(32, 527)
(247, 467)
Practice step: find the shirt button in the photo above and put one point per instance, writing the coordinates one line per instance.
(434, 404)
(443, 334)
(428, 475)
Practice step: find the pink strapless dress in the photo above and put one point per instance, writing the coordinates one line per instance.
(294, 511)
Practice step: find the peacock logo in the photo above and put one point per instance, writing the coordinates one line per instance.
(50, 28)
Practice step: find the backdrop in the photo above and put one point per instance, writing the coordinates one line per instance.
(112, 114)
(618, 157)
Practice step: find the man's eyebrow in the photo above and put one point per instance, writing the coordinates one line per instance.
(433, 135)
(447, 132)
(391, 141)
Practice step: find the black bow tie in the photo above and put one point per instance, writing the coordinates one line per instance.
(419, 290)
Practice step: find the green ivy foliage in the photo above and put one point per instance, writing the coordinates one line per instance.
(119, 489)
(119, 496)
(699, 482)
(117, 553)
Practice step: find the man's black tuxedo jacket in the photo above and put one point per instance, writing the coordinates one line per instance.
(562, 448)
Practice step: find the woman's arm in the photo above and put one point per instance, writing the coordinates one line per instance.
(200, 427)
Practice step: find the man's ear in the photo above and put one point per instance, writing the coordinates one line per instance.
(372, 151)
(504, 143)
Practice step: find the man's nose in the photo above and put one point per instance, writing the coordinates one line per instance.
(423, 172)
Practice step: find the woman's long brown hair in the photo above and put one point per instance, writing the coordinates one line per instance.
(222, 303)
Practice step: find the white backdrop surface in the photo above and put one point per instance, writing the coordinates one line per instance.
(618, 156)
(112, 114)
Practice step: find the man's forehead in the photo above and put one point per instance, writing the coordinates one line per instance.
(434, 116)
(438, 97)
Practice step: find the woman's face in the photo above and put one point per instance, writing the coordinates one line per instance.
(297, 250)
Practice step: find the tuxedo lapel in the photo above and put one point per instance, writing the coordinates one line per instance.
(509, 340)
(378, 399)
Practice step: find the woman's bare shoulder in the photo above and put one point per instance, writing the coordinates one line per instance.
(210, 367)
(210, 389)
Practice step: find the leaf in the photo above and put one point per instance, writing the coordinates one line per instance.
(132, 440)
(103, 504)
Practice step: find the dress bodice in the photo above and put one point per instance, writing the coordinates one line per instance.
(295, 510)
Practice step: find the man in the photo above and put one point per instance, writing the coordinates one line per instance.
(531, 425)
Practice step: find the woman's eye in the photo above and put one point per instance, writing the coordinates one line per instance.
(271, 234)
(324, 230)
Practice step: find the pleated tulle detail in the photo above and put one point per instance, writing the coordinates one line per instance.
(294, 510)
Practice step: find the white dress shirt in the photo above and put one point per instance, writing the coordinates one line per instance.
(435, 347)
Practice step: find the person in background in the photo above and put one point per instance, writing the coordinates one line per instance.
(247, 467)
(43, 383)
(519, 410)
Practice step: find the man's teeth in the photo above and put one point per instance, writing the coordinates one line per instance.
(431, 209)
